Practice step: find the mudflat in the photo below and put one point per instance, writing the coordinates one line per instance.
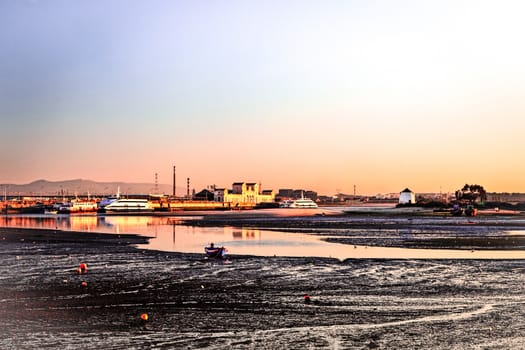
(247, 302)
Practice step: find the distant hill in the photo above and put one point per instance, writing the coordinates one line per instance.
(82, 187)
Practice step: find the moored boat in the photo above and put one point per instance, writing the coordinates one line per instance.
(108, 200)
(286, 203)
(302, 202)
(215, 252)
(78, 206)
(471, 211)
(126, 205)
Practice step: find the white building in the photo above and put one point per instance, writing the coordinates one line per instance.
(407, 197)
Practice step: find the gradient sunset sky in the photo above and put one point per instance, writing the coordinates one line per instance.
(322, 95)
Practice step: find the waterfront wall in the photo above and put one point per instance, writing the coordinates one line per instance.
(198, 205)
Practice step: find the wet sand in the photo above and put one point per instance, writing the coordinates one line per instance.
(248, 302)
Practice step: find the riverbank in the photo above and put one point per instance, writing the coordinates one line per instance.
(249, 302)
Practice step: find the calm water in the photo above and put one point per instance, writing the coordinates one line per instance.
(169, 235)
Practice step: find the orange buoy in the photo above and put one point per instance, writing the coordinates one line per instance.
(84, 284)
(83, 267)
(144, 317)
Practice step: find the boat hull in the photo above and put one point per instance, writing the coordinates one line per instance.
(215, 252)
(128, 206)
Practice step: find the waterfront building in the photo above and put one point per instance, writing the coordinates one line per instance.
(244, 193)
(204, 195)
(285, 193)
(407, 197)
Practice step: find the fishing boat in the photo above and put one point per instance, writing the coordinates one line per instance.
(126, 205)
(78, 206)
(286, 203)
(471, 211)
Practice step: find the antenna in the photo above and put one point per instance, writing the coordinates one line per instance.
(156, 183)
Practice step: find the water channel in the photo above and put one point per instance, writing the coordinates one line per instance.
(169, 234)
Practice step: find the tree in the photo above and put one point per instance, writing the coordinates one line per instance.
(471, 194)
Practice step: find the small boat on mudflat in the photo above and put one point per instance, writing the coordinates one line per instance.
(215, 252)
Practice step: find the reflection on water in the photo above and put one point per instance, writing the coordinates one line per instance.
(243, 233)
(168, 235)
(87, 223)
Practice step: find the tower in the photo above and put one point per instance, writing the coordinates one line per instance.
(174, 188)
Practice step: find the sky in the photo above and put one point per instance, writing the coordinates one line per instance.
(320, 95)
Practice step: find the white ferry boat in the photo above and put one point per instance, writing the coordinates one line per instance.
(299, 203)
(126, 205)
(108, 200)
(303, 203)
